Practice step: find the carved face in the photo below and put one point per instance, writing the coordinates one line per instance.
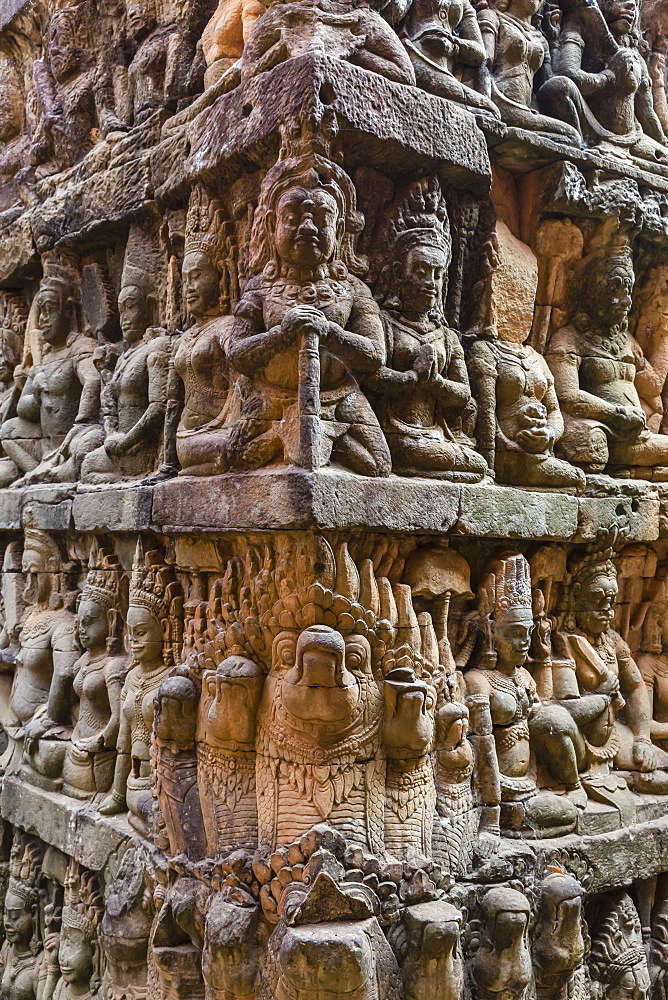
(329, 960)
(62, 45)
(409, 713)
(11, 101)
(201, 284)
(75, 956)
(615, 287)
(307, 227)
(52, 317)
(594, 603)
(18, 919)
(229, 706)
(633, 985)
(319, 688)
(145, 635)
(512, 641)
(620, 14)
(132, 313)
(175, 719)
(39, 580)
(424, 271)
(92, 625)
(508, 927)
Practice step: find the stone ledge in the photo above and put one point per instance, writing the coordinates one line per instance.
(613, 860)
(75, 827)
(402, 127)
(328, 499)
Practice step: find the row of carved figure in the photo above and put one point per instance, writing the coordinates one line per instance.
(387, 934)
(372, 695)
(290, 359)
(580, 72)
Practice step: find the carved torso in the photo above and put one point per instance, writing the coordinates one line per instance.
(140, 378)
(199, 360)
(334, 298)
(137, 697)
(91, 687)
(43, 632)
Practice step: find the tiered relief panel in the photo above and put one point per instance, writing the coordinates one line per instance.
(333, 501)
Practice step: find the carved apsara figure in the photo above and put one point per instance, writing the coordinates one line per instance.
(175, 765)
(134, 400)
(14, 136)
(608, 700)
(519, 61)
(599, 49)
(164, 69)
(79, 951)
(27, 971)
(501, 696)
(653, 658)
(198, 374)
(306, 328)
(89, 762)
(42, 698)
(519, 420)
(594, 361)
(424, 399)
(74, 102)
(154, 624)
(444, 43)
(57, 412)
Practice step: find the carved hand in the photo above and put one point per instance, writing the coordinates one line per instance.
(304, 319)
(534, 439)
(425, 364)
(628, 420)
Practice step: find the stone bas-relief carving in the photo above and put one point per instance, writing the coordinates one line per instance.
(332, 501)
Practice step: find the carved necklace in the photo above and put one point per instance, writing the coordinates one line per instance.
(22, 962)
(144, 683)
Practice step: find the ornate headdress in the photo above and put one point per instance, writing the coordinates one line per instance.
(209, 231)
(154, 586)
(505, 593)
(61, 279)
(422, 217)
(83, 902)
(142, 264)
(103, 579)
(618, 944)
(24, 869)
(36, 540)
